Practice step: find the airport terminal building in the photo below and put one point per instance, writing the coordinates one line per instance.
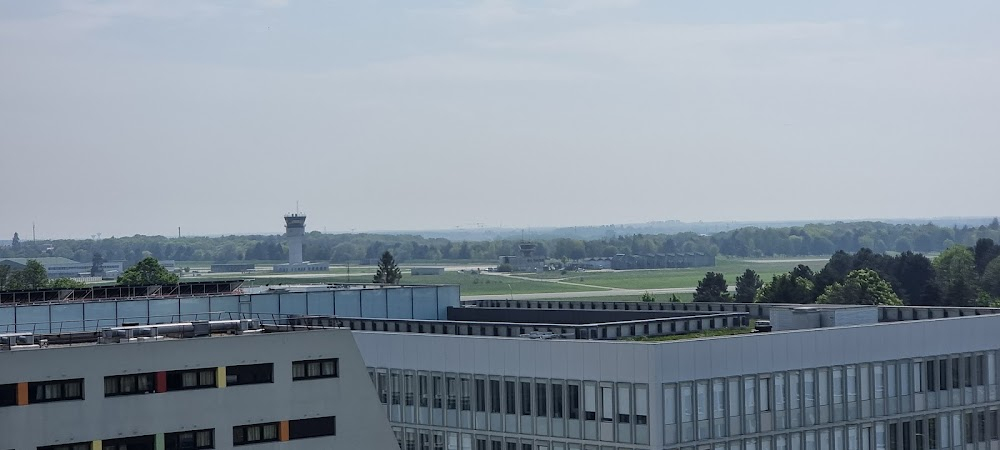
(570, 375)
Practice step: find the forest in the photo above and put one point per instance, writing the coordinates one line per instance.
(363, 248)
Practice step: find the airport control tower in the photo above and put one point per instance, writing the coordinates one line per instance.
(295, 229)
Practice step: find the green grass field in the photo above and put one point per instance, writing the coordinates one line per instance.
(470, 284)
(483, 284)
(684, 297)
(678, 278)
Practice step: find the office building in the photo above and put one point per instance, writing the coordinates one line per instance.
(195, 385)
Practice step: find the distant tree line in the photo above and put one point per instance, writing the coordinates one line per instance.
(820, 239)
(959, 276)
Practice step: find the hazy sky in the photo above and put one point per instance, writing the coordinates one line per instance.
(136, 117)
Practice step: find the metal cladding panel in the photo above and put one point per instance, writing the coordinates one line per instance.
(98, 315)
(195, 308)
(224, 304)
(68, 317)
(348, 303)
(320, 303)
(33, 319)
(164, 310)
(448, 296)
(399, 303)
(7, 320)
(264, 304)
(374, 306)
(131, 311)
(425, 304)
(293, 303)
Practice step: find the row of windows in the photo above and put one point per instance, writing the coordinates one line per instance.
(418, 439)
(931, 432)
(721, 407)
(181, 440)
(205, 439)
(577, 409)
(297, 429)
(41, 392)
(175, 380)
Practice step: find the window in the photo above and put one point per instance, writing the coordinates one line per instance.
(481, 395)
(718, 398)
(525, 398)
(249, 374)
(437, 390)
(141, 383)
(466, 393)
(190, 379)
(701, 399)
(189, 440)
(510, 395)
(76, 446)
(451, 390)
(590, 401)
(557, 400)
(129, 443)
(315, 427)
(422, 391)
(8, 394)
(918, 376)
(541, 407)
(408, 388)
(395, 387)
(573, 394)
(52, 391)
(252, 434)
(624, 404)
(764, 394)
(641, 404)
(495, 396)
(317, 368)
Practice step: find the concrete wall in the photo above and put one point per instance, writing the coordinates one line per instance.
(351, 398)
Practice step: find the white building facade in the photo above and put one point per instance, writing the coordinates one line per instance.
(910, 385)
(281, 390)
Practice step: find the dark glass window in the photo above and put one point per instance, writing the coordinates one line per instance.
(252, 434)
(525, 398)
(481, 395)
(130, 443)
(249, 374)
(8, 394)
(190, 379)
(140, 383)
(573, 394)
(52, 391)
(185, 440)
(315, 427)
(318, 368)
(511, 396)
(76, 446)
(495, 396)
(557, 401)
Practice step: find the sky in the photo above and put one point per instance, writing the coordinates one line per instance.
(132, 117)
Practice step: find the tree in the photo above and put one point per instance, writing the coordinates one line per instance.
(647, 297)
(747, 286)
(15, 242)
(985, 251)
(97, 265)
(861, 287)
(712, 288)
(32, 276)
(956, 276)
(388, 272)
(147, 272)
(990, 280)
(4, 276)
(786, 288)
